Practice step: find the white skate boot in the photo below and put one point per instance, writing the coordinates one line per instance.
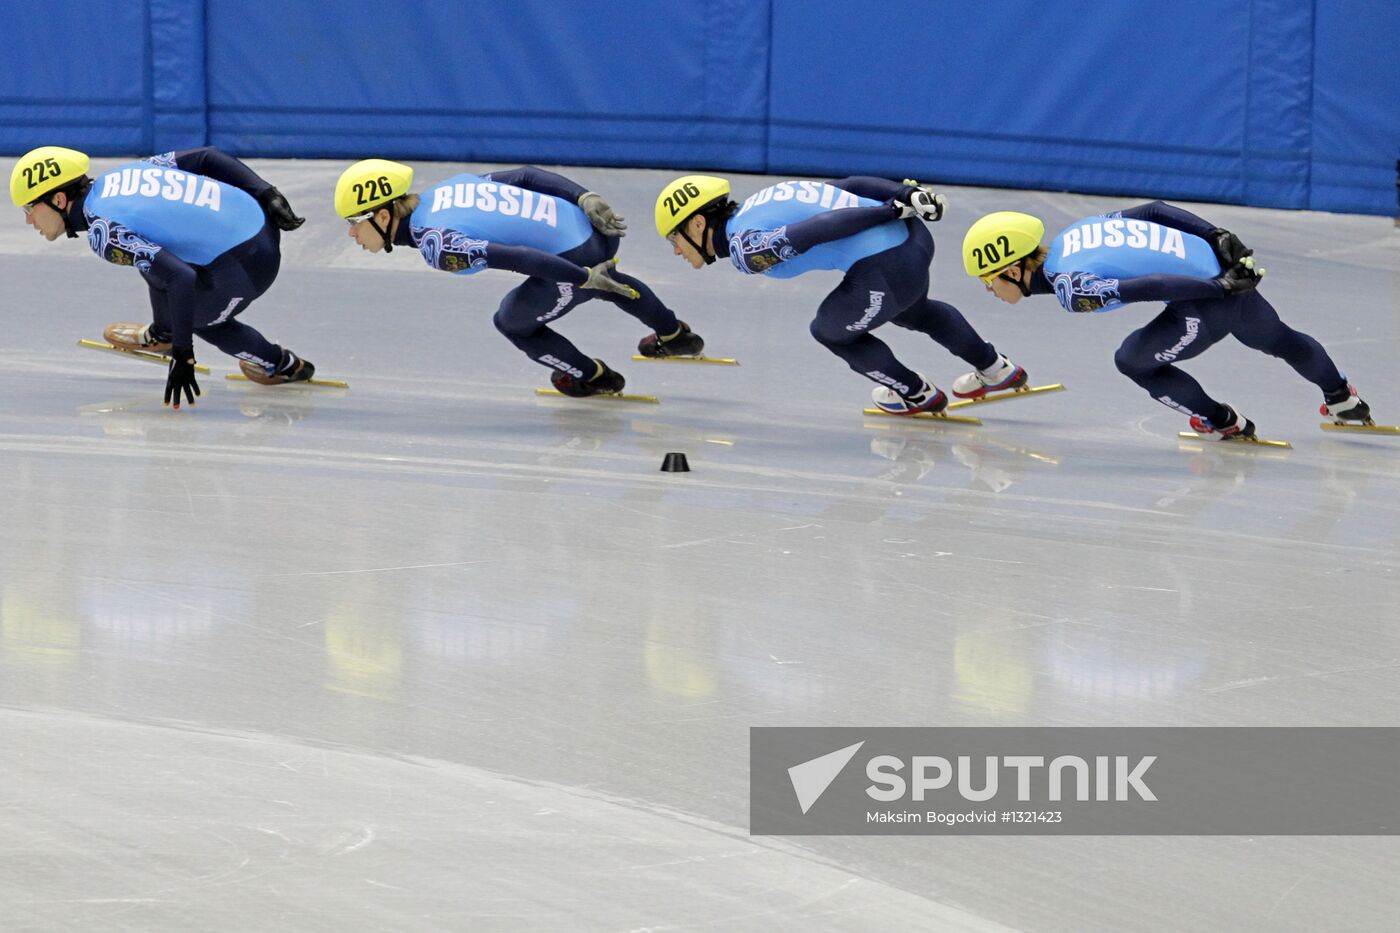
(929, 398)
(1001, 375)
(1238, 427)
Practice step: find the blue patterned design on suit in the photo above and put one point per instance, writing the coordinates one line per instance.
(119, 245)
(756, 251)
(451, 251)
(167, 159)
(1084, 291)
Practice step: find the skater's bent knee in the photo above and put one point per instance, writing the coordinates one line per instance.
(1133, 364)
(515, 325)
(834, 335)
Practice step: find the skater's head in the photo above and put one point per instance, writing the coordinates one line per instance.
(689, 212)
(47, 183)
(1004, 251)
(373, 197)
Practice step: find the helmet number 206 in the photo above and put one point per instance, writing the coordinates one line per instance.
(40, 172)
(373, 189)
(988, 254)
(681, 197)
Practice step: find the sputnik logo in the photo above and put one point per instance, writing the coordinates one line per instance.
(811, 778)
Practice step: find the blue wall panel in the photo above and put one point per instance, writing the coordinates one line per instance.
(178, 95)
(498, 80)
(1356, 106)
(1115, 97)
(1283, 103)
(1277, 88)
(87, 88)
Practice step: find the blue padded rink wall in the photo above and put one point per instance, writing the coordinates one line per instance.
(434, 653)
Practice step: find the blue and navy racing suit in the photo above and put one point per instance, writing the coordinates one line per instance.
(849, 225)
(191, 224)
(1158, 252)
(526, 220)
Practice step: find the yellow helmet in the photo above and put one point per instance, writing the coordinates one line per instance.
(998, 240)
(686, 197)
(42, 170)
(369, 184)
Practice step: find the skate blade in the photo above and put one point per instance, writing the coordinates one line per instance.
(1363, 428)
(716, 360)
(1003, 396)
(147, 356)
(1237, 441)
(924, 416)
(328, 383)
(618, 396)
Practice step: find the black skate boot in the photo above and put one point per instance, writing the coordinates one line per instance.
(1237, 427)
(293, 369)
(684, 342)
(606, 382)
(1346, 407)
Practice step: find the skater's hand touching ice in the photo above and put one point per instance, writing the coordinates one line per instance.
(181, 377)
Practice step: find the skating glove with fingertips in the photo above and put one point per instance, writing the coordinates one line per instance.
(1228, 248)
(181, 377)
(278, 211)
(600, 279)
(603, 218)
(921, 202)
(1240, 277)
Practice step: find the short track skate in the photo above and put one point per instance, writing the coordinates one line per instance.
(713, 360)
(615, 396)
(145, 355)
(1007, 396)
(1237, 440)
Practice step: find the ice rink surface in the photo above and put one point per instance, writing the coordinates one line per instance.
(434, 653)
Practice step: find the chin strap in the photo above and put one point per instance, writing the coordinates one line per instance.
(707, 256)
(384, 234)
(709, 217)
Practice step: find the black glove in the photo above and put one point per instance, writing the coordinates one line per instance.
(278, 210)
(1240, 277)
(181, 377)
(1228, 248)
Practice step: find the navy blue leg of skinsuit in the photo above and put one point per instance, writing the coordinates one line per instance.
(527, 310)
(1186, 329)
(224, 290)
(892, 287)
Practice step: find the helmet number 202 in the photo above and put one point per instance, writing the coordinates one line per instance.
(40, 172)
(681, 197)
(372, 189)
(989, 254)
